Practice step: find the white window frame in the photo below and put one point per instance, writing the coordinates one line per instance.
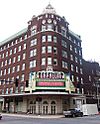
(43, 61)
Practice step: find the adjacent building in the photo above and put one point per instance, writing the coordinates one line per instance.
(42, 70)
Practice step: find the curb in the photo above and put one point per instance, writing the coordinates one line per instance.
(34, 116)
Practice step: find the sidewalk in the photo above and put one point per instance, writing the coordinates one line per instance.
(33, 116)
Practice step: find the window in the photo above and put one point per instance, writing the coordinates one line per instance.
(80, 52)
(2, 64)
(54, 39)
(33, 53)
(1, 73)
(8, 45)
(70, 38)
(43, 61)
(24, 56)
(64, 54)
(33, 30)
(23, 66)
(9, 61)
(19, 48)
(43, 49)
(18, 68)
(63, 31)
(49, 50)
(7, 90)
(10, 52)
(13, 69)
(4, 47)
(72, 78)
(79, 44)
(14, 50)
(49, 27)
(76, 59)
(80, 61)
(71, 48)
(77, 78)
(74, 41)
(72, 67)
(20, 38)
(49, 38)
(81, 80)
(5, 62)
(16, 41)
(89, 78)
(24, 47)
(22, 78)
(81, 71)
(2, 91)
(3, 55)
(5, 72)
(14, 59)
(25, 37)
(12, 44)
(76, 69)
(8, 70)
(49, 61)
(33, 42)
(32, 63)
(55, 50)
(11, 90)
(6, 53)
(64, 65)
(43, 27)
(44, 38)
(64, 43)
(18, 58)
(55, 62)
(71, 57)
(75, 50)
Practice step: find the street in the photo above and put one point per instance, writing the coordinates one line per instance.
(80, 120)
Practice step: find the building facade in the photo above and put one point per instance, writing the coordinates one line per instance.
(41, 68)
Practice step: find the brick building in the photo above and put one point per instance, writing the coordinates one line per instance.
(41, 68)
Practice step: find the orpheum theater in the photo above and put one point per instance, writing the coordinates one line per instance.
(41, 69)
(49, 92)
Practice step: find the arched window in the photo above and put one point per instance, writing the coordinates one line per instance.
(31, 102)
(53, 102)
(45, 102)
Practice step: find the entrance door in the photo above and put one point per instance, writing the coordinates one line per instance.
(32, 108)
(45, 107)
(45, 110)
(53, 108)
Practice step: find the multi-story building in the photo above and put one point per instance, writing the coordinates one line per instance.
(41, 69)
(91, 85)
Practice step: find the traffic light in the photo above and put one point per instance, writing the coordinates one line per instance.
(16, 82)
(26, 83)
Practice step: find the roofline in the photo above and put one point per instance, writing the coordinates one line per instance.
(75, 35)
(14, 36)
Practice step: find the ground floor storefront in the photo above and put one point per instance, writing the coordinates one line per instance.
(42, 103)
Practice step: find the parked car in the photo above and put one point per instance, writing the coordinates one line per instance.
(73, 113)
(0, 116)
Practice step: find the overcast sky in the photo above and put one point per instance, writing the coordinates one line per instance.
(82, 15)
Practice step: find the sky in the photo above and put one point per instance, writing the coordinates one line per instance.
(83, 17)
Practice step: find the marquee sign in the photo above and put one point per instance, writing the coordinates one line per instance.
(50, 79)
(50, 84)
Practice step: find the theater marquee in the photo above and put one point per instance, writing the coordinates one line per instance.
(50, 79)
